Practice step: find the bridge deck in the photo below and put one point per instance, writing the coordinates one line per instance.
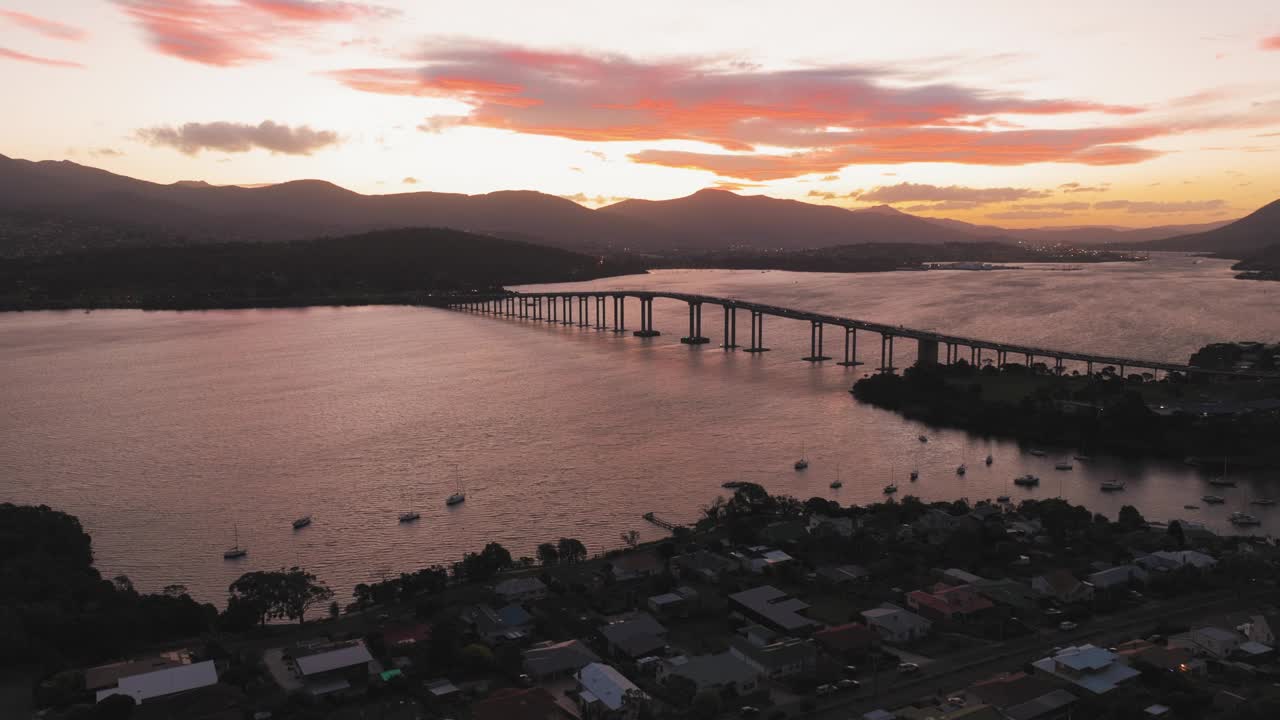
(883, 329)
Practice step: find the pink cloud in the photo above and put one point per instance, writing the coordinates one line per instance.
(48, 62)
(246, 31)
(913, 192)
(48, 28)
(1271, 43)
(610, 97)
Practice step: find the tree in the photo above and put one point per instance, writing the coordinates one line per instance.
(571, 550)
(1130, 519)
(706, 705)
(548, 555)
(279, 594)
(1175, 532)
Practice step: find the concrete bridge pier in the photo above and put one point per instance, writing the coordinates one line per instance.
(600, 325)
(582, 311)
(695, 326)
(619, 313)
(815, 343)
(757, 333)
(926, 353)
(886, 354)
(730, 328)
(551, 309)
(850, 347)
(568, 310)
(646, 319)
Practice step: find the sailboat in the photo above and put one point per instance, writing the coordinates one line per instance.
(803, 462)
(915, 475)
(837, 483)
(990, 459)
(1063, 464)
(1223, 481)
(409, 516)
(458, 495)
(302, 522)
(236, 551)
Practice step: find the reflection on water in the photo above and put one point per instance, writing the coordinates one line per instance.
(165, 431)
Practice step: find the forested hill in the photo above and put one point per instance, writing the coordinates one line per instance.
(391, 266)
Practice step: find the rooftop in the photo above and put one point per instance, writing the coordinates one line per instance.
(551, 658)
(523, 703)
(713, 670)
(1092, 668)
(606, 683)
(775, 606)
(315, 660)
(166, 681)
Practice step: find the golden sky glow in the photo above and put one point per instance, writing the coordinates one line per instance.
(1018, 114)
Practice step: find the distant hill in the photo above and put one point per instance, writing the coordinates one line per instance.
(1082, 235)
(53, 207)
(1244, 237)
(387, 266)
(193, 212)
(713, 219)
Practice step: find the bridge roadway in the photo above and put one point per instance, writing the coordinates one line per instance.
(530, 305)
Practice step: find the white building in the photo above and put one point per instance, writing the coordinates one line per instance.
(896, 625)
(167, 681)
(603, 684)
(1092, 668)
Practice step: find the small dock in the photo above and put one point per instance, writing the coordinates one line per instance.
(664, 524)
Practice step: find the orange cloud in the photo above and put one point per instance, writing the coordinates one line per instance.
(234, 34)
(46, 27)
(48, 62)
(894, 146)
(1271, 43)
(913, 192)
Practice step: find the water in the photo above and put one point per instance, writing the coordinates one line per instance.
(165, 431)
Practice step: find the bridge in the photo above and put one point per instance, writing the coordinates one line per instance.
(559, 307)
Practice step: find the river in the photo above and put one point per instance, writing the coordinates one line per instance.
(168, 433)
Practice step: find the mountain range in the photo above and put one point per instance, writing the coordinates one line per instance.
(55, 206)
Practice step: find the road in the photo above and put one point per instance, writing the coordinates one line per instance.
(963, 669)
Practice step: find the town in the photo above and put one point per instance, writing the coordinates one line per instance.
(768, 607)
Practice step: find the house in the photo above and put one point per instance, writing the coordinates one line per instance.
(956, 576)
(636, 565)
(761, 559)
(403, 638)
(523, 703)
(152, 684)
(1216, 642)
(1120, 576)
(842, 574)
(1062, 586)
(935, 526)
(846, 642)
(1087, 667)
(635, 636)
(673, 604)
(716, 673)
(842, 526)
(1010, 593)
(521, 590)
(1174, 660)
(896, 625)
(550, 659)
(1024, 697)
(606, 693)
(784, 531)
(773, 607)
(701, 565)
(333, 667)
(1264, 628)
(960, 603)
(109, 676)
(777, 657)
(1166, 561)
(509, 624)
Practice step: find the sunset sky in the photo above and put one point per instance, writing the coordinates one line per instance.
(1011, 113)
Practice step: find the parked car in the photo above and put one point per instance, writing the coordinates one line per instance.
(908, 668)
(825, 689)
(850, 670)
(747, 711)
(847, 684)
(1067, 625)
